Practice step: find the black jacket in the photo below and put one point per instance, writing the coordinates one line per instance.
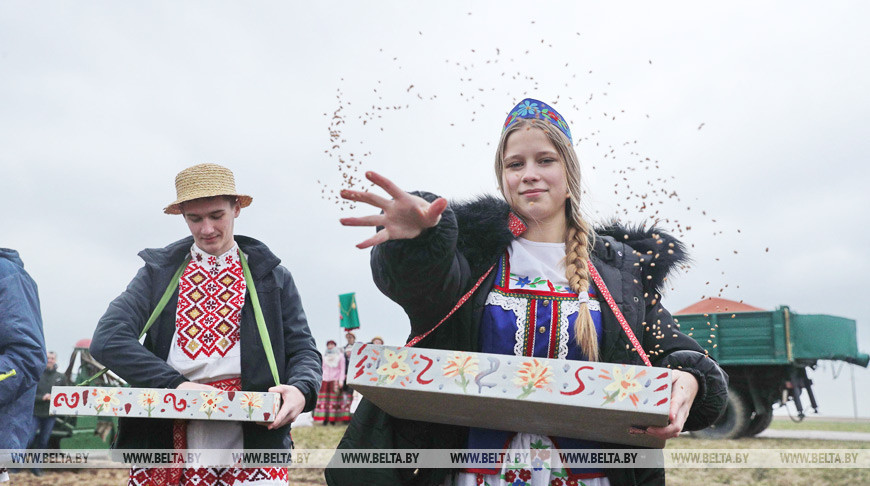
(116, 345)
(49, 378)
(428, 274)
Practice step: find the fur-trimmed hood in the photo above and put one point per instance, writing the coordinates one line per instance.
(483, 234)
(658, 252)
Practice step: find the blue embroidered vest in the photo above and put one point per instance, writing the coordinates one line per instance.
(525, 317)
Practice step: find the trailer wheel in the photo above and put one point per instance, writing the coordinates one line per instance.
(758, 423)
(733, 423)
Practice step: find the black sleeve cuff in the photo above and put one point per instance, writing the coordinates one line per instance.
(712, 397)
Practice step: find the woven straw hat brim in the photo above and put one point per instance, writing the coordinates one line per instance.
(175, 207)
(204, 180)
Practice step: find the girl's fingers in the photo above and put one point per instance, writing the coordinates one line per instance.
(664, 433)
(373, 220)
(379, 237)
(386, 184)
(366, 197)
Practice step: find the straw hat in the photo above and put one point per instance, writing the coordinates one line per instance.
(204, 180)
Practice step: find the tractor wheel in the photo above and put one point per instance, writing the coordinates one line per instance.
(758, 423)
(733, 423)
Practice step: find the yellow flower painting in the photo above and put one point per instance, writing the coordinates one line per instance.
(462, 365)
(210, 403)
(250, 402)
(532, 376)
(624, 385)
(394, 367)
(147, 400)
(104, 400)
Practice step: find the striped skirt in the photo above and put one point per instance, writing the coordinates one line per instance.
(333, 405)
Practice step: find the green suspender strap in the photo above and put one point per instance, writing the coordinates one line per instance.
(258, 315)
(255, 302)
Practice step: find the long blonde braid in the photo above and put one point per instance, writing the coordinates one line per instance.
(576, 257)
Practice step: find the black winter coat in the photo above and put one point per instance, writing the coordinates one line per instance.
(428, 274)
(50, 378)
(116, 344)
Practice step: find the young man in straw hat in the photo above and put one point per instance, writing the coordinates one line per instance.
(206, 337)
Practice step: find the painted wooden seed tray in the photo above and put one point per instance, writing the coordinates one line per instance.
(239, 406)
(578, 399)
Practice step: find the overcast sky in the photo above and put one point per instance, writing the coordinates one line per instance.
(741, 127)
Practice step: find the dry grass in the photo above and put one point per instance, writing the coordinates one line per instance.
(766, 477)
(811, 423)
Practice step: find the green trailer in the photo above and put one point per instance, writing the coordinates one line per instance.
(84, 432)
(766, 355)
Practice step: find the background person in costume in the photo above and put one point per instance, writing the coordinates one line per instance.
(207, 338)
(22, 351)
(347, 394)
(350, 338)
(332, 406)
(427, 254)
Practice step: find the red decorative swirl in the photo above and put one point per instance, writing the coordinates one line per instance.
(663, 375)
(360, 350)
(359, 373)
(62, 396)
(661, 387)
(360, 362)
(180, 406)
(663, 400)
(419, 376)
(577, 376)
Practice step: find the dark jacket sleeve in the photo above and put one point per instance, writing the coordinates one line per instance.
(22, 348)
(116, 339)
(670, 348)
(425, 275)
(303, 360)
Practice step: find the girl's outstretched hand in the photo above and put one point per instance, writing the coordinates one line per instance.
(404, 217)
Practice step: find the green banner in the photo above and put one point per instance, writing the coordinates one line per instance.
(348, 317)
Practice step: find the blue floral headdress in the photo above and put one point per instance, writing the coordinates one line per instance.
(531, 109)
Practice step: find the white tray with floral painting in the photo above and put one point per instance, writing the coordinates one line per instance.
(239, 406)
(578, 399)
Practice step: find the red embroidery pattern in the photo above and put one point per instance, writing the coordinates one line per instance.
(213, 476)
(210, 300)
